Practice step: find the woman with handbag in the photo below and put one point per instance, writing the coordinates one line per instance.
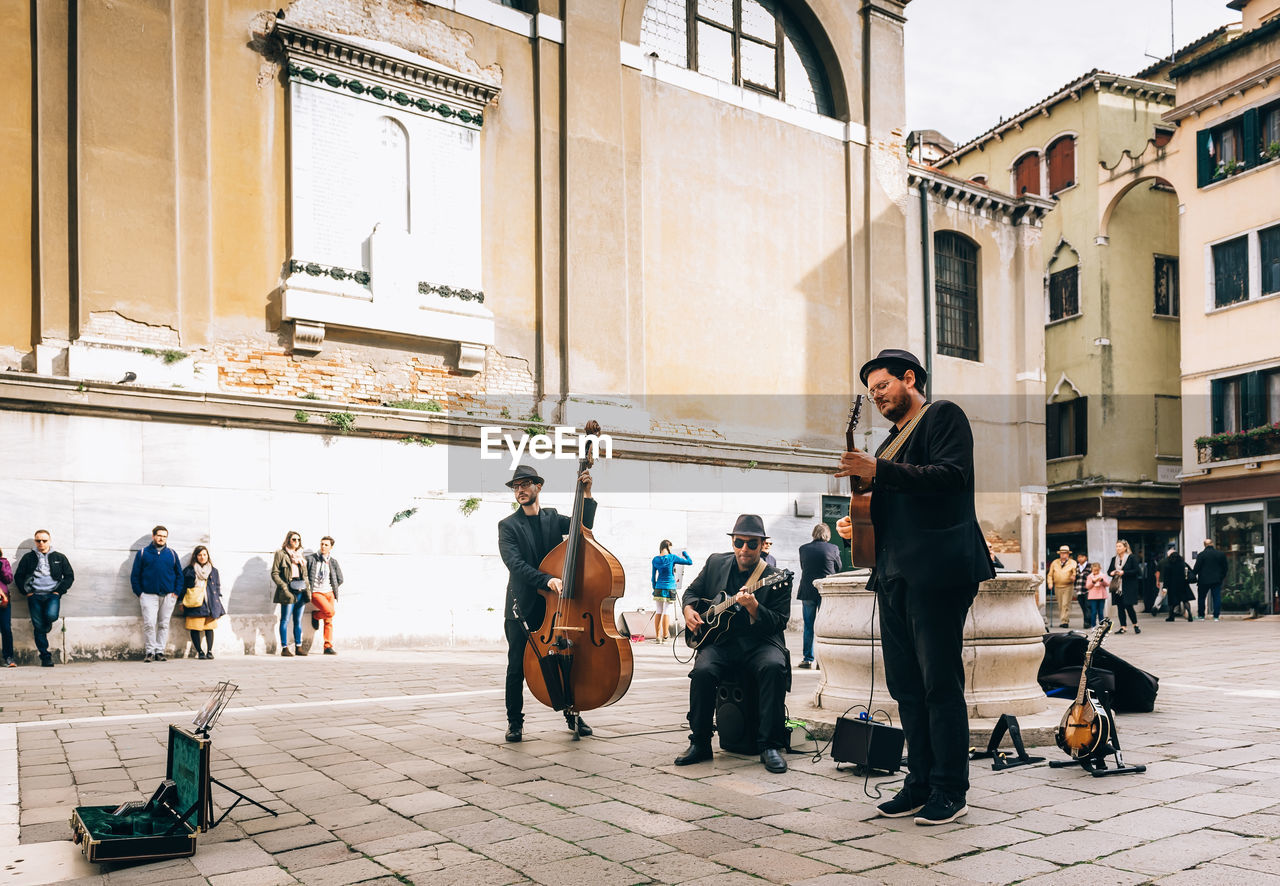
(293, 590)
(6, 612)
(202, 600)
(1125, 587)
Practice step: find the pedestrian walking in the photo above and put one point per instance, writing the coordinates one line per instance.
(818, 559)
(1062, 579)
(293, 590)
(664, 587)
(202, 600)
(6, 612)
(1210, 571)
(1082, 592)
(1097, 585)
(326, 578)
(157, 581)
(1125, 584)
(1175, 575)
(45, 576)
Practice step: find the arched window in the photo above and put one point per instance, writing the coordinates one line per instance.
(955, 268)
(979, 180)
(391, 179)
(755, 44)
(1026, 175)
(1062, 163)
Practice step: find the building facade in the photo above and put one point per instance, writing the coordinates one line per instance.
(1108, 301)
(280, 270)
(1227, 174)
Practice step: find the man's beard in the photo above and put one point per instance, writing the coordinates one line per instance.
(895, 410)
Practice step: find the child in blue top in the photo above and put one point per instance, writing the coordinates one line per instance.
(664, 587)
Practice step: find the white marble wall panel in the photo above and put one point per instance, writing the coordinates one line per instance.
(247, 588)
(304, 462)
(35, 504)
(257, 520)
(687, 487)
(70, 447)
(179, 455)
(118, 517)
(102, 583)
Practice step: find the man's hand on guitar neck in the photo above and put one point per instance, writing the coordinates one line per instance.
(844, 528)
(747, 600)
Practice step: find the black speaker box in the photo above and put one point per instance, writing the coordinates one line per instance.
(737, 716)
(868, 744)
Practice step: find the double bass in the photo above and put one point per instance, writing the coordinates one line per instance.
(862, 546)
(575, 659)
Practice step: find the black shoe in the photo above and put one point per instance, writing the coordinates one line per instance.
(1170, 618)
(209, 654)
(695, 753)
(1190, 617)
(773, 760)
(942, 808)
(199, 655)
(514, 732)
(1064, 624)
(315, 623)
(805, 664)
(1136, 629)
(583, 729)
(46, 662)
(905, 802)
(329, 650)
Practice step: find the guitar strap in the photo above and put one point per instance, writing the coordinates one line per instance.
(901, 440)
(759, 571)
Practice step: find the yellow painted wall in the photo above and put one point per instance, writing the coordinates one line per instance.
(15, 185)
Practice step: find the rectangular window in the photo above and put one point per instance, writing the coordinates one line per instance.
(1231, 272)
(1064, 294)
(1245, 401)
(1271, 132)
(956, 267)
(1230, 147)
(1027, 175)
(1269, 247)
(1166, 287)
(1062, 164)
(1066, 428)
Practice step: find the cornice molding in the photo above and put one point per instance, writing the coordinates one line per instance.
(1027, 208)
(1261, 77)
(389, 74)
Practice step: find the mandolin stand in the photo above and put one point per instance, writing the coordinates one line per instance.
(1096, 763)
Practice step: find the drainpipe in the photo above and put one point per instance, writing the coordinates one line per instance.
(924, 268)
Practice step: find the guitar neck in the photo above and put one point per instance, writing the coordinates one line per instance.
(1084, 675)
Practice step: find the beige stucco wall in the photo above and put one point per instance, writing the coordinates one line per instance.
(16, 138)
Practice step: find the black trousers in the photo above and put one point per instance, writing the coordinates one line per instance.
(766, 661)
(516, 641)
(922, 632)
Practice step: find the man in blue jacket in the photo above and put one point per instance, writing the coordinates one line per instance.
(157, 582)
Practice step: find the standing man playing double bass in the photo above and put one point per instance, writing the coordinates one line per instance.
(930, 557)
(524, 539)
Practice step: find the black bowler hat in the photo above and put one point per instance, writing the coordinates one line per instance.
(893, 357)
(524, 472)
(749, 525)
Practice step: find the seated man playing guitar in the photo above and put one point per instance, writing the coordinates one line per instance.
(747, 636)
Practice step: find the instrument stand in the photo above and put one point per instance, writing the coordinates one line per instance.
(1096, 764)
(1000, 760)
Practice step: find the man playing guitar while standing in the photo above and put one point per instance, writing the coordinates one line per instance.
(930, 557)
(754, 643)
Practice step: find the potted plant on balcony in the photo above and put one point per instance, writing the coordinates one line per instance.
(1270, 152)
(1229, 168)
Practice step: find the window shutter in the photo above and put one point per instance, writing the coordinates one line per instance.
(1251, 147)
(1081, 405)
(1205, 165)
(1253, 405)
(1051, 446)
(1216, 390)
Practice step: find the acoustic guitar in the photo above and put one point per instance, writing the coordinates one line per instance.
(721, 617)
(862, 546)
(1085, 726)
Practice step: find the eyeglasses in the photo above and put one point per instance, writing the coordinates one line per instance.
(294, 538)
(751, 543)
(882, 387)
(523, 484)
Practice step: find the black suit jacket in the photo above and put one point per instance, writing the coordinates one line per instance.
(927, 531)
(775, 601)
(517, 547)
(818, 559)
(59, 570)
(1211, 567)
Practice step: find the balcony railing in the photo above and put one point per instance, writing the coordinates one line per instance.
(1252, 443)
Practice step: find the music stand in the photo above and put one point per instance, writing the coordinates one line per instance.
(206, 719)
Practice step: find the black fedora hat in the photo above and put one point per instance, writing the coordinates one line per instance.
(750, 526)
(895, 357)
(524, 472)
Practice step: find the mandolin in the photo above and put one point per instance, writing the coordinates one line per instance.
(721, 616)
(862, 546)
(1086, 724)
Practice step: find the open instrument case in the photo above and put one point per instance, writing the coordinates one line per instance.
(163, 827)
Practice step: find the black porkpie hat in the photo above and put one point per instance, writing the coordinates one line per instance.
(524, 472)
(893, 357)
(749, 525)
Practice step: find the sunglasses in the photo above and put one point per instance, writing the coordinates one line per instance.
(751, 543)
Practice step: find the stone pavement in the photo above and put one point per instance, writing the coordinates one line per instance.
(390, 768)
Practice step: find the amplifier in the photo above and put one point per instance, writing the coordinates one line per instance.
(867, 743)
(737, 718)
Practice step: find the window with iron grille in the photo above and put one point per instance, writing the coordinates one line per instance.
(1062, 164)
(1166, 287)
(955, 263)
(1231, 272)
(1064, 293)
(754, 44)
(1066, 428)
(1269, 248)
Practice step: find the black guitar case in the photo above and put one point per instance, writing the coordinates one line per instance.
(1135, 689)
